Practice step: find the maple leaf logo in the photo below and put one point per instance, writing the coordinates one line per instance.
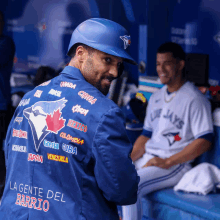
(54, 122)
(177, 138)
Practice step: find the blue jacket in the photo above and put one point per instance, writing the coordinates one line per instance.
(7, 52)
(67, 154)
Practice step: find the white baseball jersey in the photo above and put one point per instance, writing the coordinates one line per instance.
(177, 119)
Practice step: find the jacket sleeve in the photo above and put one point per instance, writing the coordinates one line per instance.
(114, 171)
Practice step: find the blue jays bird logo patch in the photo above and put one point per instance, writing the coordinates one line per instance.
(45, 117)
(172, 137)
(127, 41)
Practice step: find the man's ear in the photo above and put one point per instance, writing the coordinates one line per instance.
(81, 54)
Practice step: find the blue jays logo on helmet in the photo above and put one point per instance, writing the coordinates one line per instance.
(44, 118)
(127, 41)
(172, 137)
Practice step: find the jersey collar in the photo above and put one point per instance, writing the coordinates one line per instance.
(166, 88)
(73, 72)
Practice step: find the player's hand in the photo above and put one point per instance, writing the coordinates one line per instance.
(158, 162)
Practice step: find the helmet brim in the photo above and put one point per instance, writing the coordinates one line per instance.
(112, 51)
(118, 53)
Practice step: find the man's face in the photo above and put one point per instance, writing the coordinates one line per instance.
(168, 68)
(100, 69)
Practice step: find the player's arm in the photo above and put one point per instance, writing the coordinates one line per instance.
(139, 147)
(190, 152)
(115, 174)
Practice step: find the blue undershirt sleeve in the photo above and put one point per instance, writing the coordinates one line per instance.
(146, 133)
(207, 137)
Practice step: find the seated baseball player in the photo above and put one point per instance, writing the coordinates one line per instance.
(177, 129)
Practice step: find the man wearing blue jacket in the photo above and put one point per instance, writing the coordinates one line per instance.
(67, 152)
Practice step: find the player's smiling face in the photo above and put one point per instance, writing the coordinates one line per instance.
(169, 69)
(100, 69)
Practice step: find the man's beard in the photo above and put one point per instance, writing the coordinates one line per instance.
(89, 72)
(104, 90)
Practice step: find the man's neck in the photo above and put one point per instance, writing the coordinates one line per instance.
(73, 62)
(176, 86)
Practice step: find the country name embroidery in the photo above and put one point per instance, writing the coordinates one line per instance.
(87, 97)
(45, 83)
(72, 139)
(68, 85)
(69, 149)
(19, 148)
(77, 125)
(18, 119)
(24, 102)
(78, 109)
(32, 202)
(57, 158)
(19, 133)
(34, 157)
(55, 92)
(38, 93)
(53, 145)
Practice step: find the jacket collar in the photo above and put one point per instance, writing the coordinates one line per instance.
(73, 72)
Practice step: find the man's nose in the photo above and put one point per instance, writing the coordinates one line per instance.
(161, 68)
(114, 71)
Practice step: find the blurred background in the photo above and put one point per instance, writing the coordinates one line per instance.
(41, 31)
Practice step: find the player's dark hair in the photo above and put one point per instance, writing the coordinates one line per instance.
(176, 50)
(74, 47)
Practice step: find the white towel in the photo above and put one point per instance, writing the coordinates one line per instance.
(201, 179)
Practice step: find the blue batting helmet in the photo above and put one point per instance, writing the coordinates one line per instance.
(104, 35)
